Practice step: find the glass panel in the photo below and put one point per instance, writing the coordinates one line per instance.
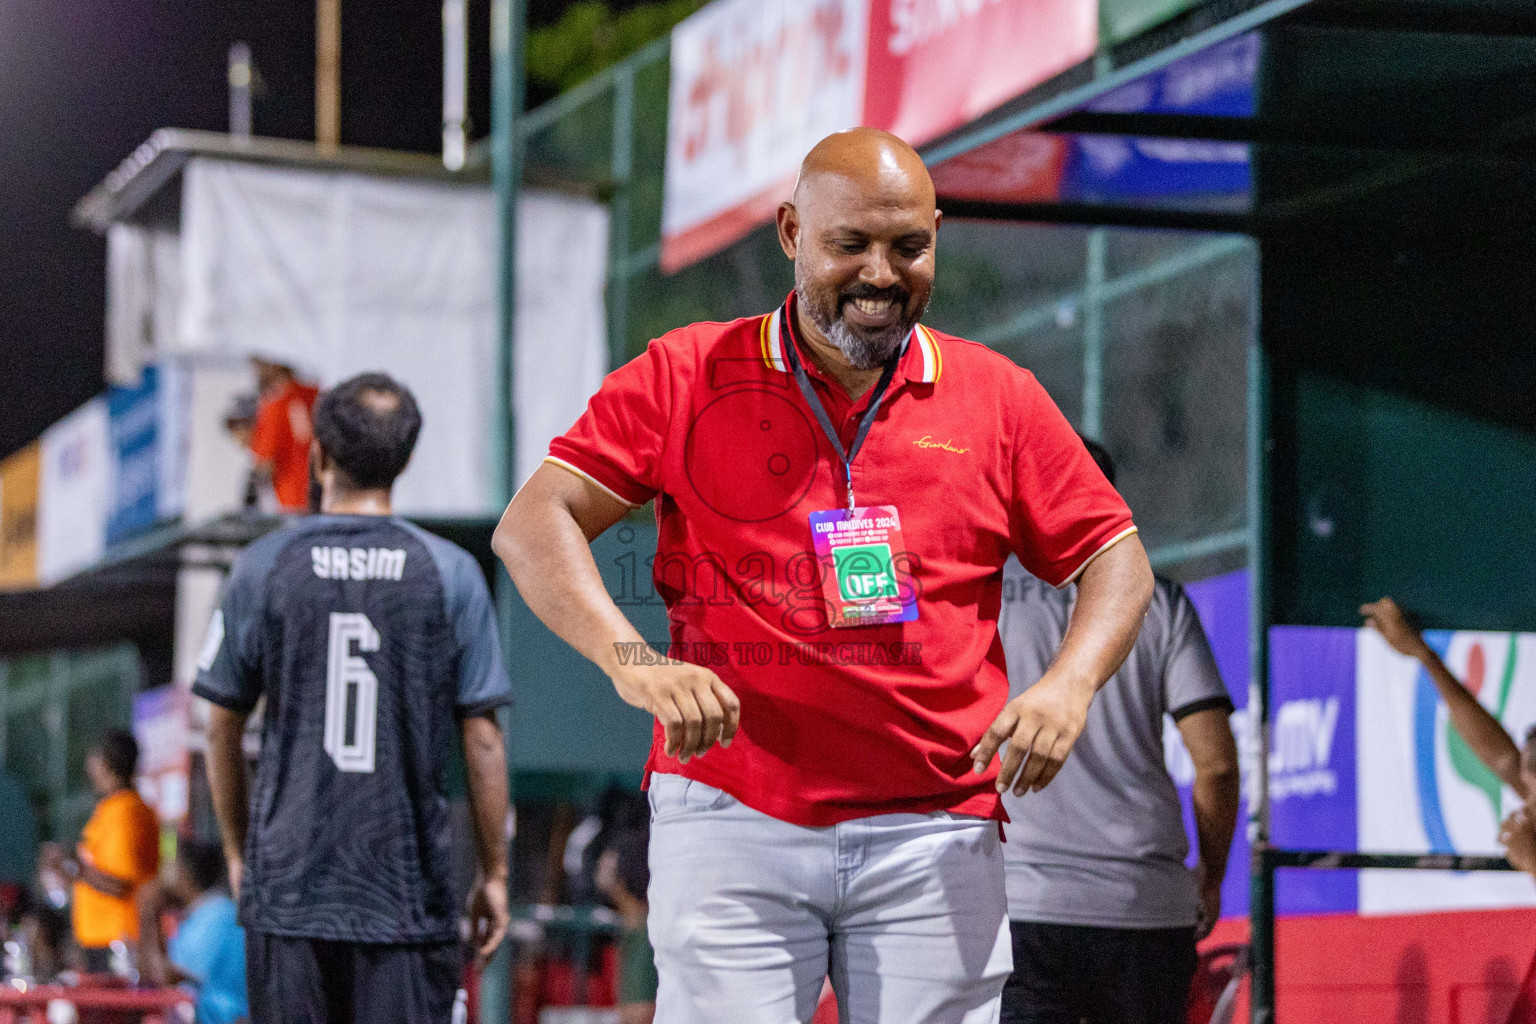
(24, 673)
(1128, 250)
(998, 280)
(1175, 397)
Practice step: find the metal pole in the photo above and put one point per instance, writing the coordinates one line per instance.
(455, 82)
(508, 30)
(618, 212)
(508, 24)
(1261, 897)
(328, 74)
(1093, 334)
(5, 707)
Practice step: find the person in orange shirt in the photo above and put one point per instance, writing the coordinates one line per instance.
(283, 430)
(119, 851)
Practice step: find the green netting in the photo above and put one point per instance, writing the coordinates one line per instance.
(749, 277)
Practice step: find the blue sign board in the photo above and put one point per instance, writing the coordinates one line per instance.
(1311, 751)
(1218, 81)
(136, 442)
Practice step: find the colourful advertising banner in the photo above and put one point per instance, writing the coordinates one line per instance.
(18, 518)
(1362, 757)
(1211, 176)
(1422, 790)
(1217, 81)
(756, 83)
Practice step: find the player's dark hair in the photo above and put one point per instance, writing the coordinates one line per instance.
(367, 426)
(1101, 456)
(204, 863)
(120, 753)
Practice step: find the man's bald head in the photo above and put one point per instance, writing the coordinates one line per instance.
(861, 230)
(875, 162)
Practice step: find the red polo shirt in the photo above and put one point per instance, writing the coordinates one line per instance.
(842, 723)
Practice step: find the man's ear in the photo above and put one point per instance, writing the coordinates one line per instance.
(788, 219)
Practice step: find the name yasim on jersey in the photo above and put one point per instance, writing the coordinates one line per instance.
(358, 563)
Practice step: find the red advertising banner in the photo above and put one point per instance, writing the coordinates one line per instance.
(756, 83)
(1024, 167)
(936, 64)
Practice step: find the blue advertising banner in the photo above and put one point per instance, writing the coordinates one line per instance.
(134, 415)
(1312, 748)
(1362, 756)
(1222, 603)
(1218, 81)
(147, 442)
(1106, 168)
(1312, 761)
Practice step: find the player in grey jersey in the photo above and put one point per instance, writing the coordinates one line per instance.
(1104, 913)
(375, 646)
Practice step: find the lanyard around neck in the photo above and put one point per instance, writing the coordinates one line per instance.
(814, 401)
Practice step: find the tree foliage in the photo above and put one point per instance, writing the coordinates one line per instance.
(590, 36)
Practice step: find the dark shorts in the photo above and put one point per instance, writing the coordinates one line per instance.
(312, 981)
(1064, 974)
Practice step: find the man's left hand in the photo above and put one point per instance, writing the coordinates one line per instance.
(488, 918)
(1040, 726)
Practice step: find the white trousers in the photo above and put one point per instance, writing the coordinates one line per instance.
(748, 914)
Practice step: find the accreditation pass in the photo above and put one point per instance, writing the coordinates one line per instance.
(860, 551)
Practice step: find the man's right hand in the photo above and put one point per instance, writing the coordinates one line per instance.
(1210, 905)
(1386, 618)
(694, 707)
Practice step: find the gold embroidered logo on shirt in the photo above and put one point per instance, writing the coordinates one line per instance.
(927, 441)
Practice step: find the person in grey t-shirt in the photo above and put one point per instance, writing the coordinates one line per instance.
(1104, 913)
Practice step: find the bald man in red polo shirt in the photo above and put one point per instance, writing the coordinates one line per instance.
(837, 488)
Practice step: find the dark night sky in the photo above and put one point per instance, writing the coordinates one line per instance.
(82, 82)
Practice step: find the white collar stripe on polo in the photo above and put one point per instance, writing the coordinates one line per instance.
(771, 340)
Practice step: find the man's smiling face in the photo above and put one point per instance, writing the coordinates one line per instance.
(861, 230)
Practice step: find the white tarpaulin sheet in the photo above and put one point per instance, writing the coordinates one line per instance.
(561, 353)
(340, 273)
(74, 492)
(143, 296)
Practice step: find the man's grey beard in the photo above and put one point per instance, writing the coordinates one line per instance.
(864, 351)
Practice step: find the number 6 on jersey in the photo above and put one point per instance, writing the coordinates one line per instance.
(351, 693)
